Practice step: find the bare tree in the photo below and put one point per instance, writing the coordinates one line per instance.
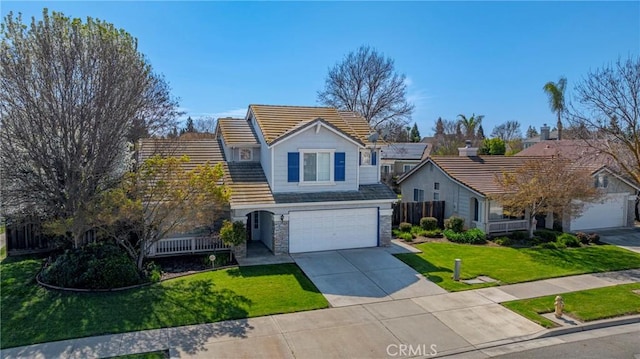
(507, 131)
(544, 185)
(73, 95)
(366, 82)
(607, 112)
(206, 124)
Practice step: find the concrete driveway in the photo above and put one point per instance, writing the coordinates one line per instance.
(628, 238)
(359, 276)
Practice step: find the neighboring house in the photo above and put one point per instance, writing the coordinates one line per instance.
(302, 178)
(616, 208)
(465, 183)
(399, 158)
(545, 135)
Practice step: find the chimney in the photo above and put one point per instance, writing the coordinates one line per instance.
(467, 150)
(544, 132)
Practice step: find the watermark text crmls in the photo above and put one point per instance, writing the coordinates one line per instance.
(424, 350)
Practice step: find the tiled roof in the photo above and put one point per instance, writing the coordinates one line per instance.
(405, 151)
(248, 184)
(478, 173)
(236, 131)
(199, 151)
(579, 152)
(277, 122)
(247, 181)
(364, 193)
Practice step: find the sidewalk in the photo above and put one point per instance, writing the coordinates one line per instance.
(447, 323)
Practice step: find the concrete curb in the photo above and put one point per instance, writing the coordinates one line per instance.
(546, 333)
(598, 324)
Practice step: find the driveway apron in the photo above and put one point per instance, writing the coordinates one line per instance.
(360, 276)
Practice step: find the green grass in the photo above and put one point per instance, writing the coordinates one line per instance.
(514, 265)
(31, 314)
(585, 305)
(1, 228)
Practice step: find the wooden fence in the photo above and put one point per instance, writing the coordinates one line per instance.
(412, 212)
(26, 236)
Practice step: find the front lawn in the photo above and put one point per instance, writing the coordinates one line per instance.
(31, 314)
(514, 265)
(585, 305)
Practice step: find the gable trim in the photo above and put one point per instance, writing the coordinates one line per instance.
(428, 160)
(617, 176)
(317, 122)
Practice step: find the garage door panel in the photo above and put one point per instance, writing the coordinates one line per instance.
(322, 230)
(607, 213)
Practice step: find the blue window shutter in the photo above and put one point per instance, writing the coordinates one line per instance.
(339, 166)
(374, 154)
(293, 166)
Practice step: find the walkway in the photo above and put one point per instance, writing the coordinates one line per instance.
(451, 322)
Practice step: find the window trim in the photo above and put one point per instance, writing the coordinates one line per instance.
(388, 169)
(331, 153)
(418, 195)
(404, 168)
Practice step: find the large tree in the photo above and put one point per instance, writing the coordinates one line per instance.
(74, 95)
(607, 112)
(546, 185)
(366, 82)
(555, 92)
(160, 198)
(448, 137)
(415, 133)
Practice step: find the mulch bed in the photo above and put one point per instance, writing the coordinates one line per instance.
(183, 265)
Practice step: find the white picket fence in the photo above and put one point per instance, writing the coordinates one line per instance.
(508, 226)
(186, 245)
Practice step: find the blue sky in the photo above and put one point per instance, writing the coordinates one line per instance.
(489, 58)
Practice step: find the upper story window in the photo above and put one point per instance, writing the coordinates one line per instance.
(386, 169)
(316, 166)
(407, 168)
(602, 181)
(436, 186)
(246, 154)
(367, 158)
(418, 195)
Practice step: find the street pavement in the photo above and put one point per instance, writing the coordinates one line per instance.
(467, 324)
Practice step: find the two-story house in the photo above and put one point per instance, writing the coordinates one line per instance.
(303, 178)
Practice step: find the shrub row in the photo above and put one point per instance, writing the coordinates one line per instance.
(472, 236)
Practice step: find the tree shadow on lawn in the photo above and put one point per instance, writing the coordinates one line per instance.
(600, 258)
(423, 266)
(32, 314)
(290, 269)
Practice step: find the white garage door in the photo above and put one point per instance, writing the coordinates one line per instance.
(311, 231)
(608, 214)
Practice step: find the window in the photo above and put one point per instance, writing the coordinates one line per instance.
(602, 181)
(407, 168)
(476, 209)
(436, 196)
(418, 195)
(436, 186)
(256, 220)
(495, 211)
(386, 169)
(316, 167)
(365, 158)
(246, 154)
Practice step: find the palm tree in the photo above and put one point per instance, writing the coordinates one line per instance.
(555, 91)
(470, 124)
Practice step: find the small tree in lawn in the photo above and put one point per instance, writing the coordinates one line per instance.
(233, 233)
(159, 199)
(544, 185)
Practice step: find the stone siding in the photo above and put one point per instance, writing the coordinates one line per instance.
(385, 230)
(281, 237)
